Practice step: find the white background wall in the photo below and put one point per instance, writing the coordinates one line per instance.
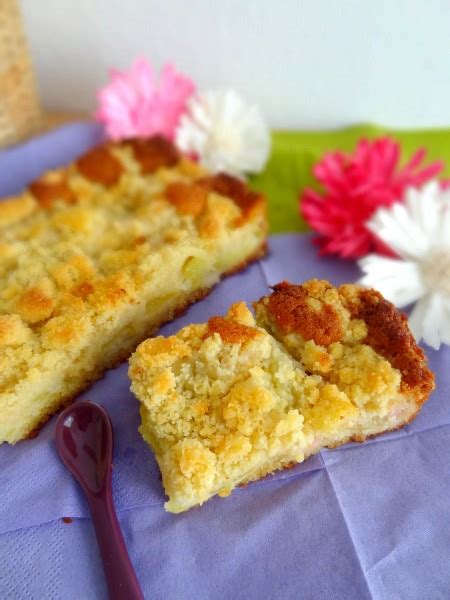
(308, 63)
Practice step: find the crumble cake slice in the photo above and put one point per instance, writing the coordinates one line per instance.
(229, 401)
(95, 256)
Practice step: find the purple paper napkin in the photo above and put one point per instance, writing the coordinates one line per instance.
(362, 521)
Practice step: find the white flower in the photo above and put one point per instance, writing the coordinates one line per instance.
(419, 232)
(225, 133)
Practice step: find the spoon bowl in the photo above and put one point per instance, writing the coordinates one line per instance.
(84, 439)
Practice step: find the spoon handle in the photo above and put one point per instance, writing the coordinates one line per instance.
(120, 576)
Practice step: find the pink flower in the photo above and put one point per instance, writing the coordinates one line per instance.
(355, 186)
(133, 104)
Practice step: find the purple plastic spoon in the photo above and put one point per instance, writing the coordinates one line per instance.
(85, 440)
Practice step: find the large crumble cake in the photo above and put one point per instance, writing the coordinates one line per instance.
(96, 255)
(229, 401)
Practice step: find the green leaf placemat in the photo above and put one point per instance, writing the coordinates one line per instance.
(294, 154)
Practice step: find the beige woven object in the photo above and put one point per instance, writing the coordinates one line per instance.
(19, 104)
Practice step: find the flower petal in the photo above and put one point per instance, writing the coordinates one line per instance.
(424, 206)
(141, 78)
(443, 237)
(398, 280)
(358, 184)
(133, 105)
(417, 317)
(445, 324)
(426, 319)
(225, 133)
(397, 228)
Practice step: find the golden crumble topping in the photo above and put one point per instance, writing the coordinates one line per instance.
(230, 400)
(231, 331)
(112, 244)
(101, 166)
(394, 340)
(309, 311)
